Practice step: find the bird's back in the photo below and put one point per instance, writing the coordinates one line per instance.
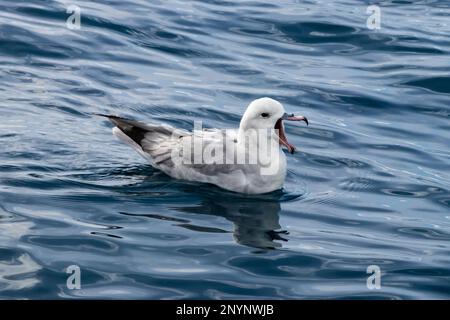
(209, 156)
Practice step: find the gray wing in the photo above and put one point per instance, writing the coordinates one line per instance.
(224, 173)
(211, 139)
(154, 141)
(165, 147)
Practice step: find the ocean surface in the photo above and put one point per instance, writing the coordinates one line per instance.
(369, 185)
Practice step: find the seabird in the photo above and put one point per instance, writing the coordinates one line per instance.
(246, 160)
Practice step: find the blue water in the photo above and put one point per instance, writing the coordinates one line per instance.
(370, 184)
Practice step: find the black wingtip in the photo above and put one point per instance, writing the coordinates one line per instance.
(109, 116)
(116, 120)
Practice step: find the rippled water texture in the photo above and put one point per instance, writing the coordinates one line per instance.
(369, 185)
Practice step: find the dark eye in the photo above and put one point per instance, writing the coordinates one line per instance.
(264, 115)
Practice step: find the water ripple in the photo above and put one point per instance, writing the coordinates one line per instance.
(368, 185)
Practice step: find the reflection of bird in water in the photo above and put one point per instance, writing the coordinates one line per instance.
(255, 218)
(256, 223)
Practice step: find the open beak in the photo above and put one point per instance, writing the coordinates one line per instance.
(282, 135)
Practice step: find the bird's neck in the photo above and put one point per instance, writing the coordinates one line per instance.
(261, 138)
(263, 150)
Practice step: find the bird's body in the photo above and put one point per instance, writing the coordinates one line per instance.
(237, 159)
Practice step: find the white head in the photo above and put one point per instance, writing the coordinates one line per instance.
(262, 113)
(267, 113)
